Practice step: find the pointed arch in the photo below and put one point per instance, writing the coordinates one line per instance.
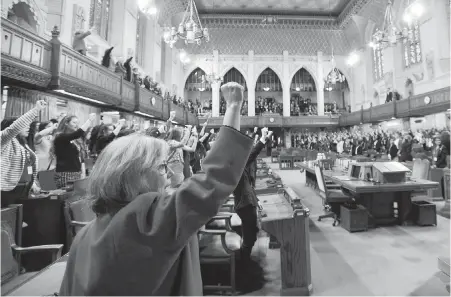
(196, 80)
(345, 73)
(239, 69)
(308, 69)
(303, 79)
(234, 75)
(269, 77)
(36, 15)
(190, 71)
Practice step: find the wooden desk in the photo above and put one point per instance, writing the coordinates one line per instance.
(46, 225)
(45, 283)
(291, 229)
(377, 198)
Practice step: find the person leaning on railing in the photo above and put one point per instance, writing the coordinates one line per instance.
(143, 241)
(19, 162)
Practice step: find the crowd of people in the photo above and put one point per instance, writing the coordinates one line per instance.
(397, 146)
(148, 201)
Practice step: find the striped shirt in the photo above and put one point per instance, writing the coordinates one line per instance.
(13, 153)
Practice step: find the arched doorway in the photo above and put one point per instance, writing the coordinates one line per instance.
(268, 93)
(198, 92)
(336, 95)
(234, 75)
(21, 14)
(303, 99)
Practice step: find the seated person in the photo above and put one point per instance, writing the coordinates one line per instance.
(143, 241)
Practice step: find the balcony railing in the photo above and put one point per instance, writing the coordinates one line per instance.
(51, 65)
(415, 106)
(277, 121)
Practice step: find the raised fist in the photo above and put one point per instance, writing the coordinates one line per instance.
(92, 117)
(270, 134)
(265, 130)
(122, 122)
(41, 104)
(255, 129)
(233, 93)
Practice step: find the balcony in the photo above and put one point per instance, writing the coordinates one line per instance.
(277, 121)
(53, 67)
(415, 106)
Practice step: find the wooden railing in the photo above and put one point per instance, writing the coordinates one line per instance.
(51, 65)
(22, 47)
(415, 106)
(280, 121)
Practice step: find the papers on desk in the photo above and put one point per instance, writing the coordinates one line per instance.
(44, 283)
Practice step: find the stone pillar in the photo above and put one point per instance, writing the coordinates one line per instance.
(320, 85)
(215, 99)
(250, 86)
(286, 81)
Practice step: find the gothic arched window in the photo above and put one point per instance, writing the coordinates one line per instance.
(99, 17)
(378, 63)
(412, 46)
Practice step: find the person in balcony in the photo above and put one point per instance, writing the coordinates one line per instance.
(79, 43)
(143, 241)
(19, 162)
(120, 69)
(68, 159)
(107, 60)
(128, 69)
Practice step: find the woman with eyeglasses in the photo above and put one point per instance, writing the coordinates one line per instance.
(19, 162)
(144, 241)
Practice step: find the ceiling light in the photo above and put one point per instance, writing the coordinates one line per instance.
(202, 89)
(353, 59)
(298, 89)
(266, 89)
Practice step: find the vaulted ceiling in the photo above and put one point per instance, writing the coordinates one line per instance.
(302, 27)
(273, 7)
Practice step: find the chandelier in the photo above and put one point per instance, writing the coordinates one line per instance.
(390, 34)
(190, 29)
(213, 78)
(335, 75)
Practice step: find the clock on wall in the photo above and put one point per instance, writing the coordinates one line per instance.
(427, 100)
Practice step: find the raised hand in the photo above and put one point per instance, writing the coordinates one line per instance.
(122, 122)
(270, 134)
(172, 115)
(233, 93)
(41, 104)
(92, 117)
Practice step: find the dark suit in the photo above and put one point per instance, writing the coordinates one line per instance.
(359, 150)
(246, 202)
(393, 151)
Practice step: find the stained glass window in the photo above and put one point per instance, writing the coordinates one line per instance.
(99, 17)
(378, 63)
(412, 46)
(140, 38)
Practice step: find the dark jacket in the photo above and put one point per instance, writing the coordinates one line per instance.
(441, 157)
(406, 152)
(393, 151)
(244, 193)
(359, 149)
(150, 247)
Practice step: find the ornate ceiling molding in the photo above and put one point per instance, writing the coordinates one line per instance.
(169, 8)
(256, 22)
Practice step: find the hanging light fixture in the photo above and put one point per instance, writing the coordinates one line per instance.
(212, 77)
(390, 34)
(335, 75)
(190, 29)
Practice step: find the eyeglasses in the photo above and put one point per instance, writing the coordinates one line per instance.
(163, 168)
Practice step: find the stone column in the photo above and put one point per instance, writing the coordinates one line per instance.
(320, 85)
(286, 81)
(215, 99)
(215, 86)
(250, 86)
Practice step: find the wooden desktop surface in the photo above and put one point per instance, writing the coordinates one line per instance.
(45, 283)
(360, 186)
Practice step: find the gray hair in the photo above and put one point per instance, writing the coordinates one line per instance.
(127, 168)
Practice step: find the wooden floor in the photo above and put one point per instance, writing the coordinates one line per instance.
(395, 261)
